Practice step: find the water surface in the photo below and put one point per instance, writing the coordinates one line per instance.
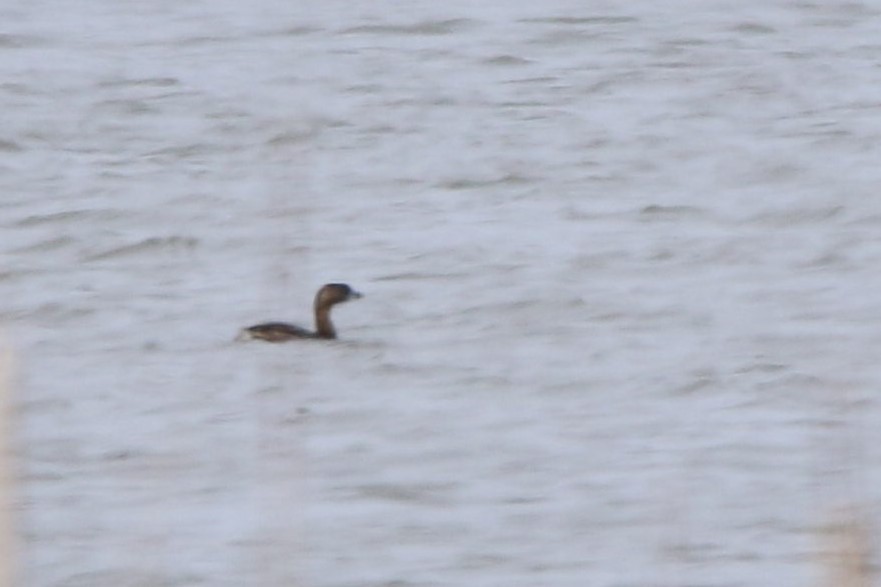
(621, 274)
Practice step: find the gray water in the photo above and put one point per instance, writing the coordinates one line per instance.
(621, 272)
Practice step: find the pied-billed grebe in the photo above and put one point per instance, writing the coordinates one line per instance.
(328, 296)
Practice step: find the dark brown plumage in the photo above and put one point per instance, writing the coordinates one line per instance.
(328, 296)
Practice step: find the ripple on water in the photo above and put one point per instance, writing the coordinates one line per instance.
(295, 31)
(190, 151)
(506, 60)
(153, 82)
(53, 312)
(655, 212)
(148, 245)
(427, 27)
(582, 20)
(797, 216)
(12, 41)
(421, 276)
(126, 577)
(50, 244)
(10, 146)
(468, 183)
(68, 216)
(753, 28)
(412, 493)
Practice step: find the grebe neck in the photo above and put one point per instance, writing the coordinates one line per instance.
(323, 326)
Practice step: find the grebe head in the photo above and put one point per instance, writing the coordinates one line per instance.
(335, 293)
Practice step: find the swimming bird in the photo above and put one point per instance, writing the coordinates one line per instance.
(327, 297)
